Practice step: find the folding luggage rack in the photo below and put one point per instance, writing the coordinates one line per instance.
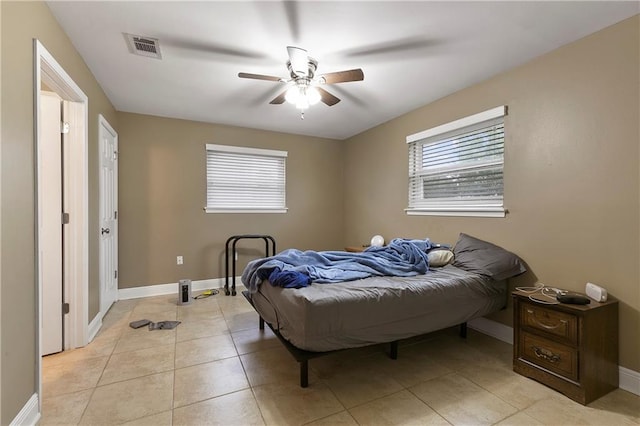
(234, 239)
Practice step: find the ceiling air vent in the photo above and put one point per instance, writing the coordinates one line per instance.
(144, 46)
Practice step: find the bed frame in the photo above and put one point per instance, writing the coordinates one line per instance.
(303, 356)
(231, 254)
(474, 285)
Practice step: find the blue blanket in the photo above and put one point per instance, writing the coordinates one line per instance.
(295, 268)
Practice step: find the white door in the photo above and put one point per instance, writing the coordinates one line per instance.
(50, 232)
(108, 215)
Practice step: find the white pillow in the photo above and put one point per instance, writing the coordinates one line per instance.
(439, 257)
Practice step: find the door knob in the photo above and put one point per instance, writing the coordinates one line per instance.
(104, 231)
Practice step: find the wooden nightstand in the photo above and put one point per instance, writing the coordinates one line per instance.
(570, 348)
(355, 249)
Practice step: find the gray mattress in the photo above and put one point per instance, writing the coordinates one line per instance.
(325, 317)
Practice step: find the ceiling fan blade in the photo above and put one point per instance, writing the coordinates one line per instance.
(293, 17)
(279, 99)
(343, 76)
(327, 97)
(259, 76)
(394, 47)
(299, 60)
(210, 48)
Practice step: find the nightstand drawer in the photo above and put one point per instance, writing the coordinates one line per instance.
(553, 356)
(553, 322)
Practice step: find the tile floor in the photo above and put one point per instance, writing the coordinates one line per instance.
(217, 367)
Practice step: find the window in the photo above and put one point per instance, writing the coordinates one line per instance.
(456, 169)
(245, 180)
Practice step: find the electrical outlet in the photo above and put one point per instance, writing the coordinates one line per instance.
(179, 260)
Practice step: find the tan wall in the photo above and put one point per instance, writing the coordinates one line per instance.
(571, 172)
(162, 193)
(21, 23)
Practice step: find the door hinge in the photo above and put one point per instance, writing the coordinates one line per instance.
(65, 218)
(65, 308)
(115, 155)
(115, 215)
(115, 274)
(64, 127)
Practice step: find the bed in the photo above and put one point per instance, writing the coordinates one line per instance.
(320, 318)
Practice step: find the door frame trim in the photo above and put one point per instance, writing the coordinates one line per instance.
(76, 251)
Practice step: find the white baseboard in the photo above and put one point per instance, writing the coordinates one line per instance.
(629, 380)
(94, 326)
(492, 328)
(29, 415)
(172, 288)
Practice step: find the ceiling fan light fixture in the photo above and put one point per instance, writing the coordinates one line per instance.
(302, 103)
(302, 95)
(313, 96)
(292, 95)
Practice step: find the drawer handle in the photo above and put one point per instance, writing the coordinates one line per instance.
(546, 354)
(563, 322)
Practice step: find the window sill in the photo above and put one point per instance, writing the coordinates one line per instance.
(462, 211)
(212, 210)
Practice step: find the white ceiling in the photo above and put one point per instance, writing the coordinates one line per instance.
(412, 53)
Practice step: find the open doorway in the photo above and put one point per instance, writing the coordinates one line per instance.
(74, 203)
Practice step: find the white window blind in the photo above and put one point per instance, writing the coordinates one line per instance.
(457, 169)
(245, 180)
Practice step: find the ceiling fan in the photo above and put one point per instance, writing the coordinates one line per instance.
(304, 86)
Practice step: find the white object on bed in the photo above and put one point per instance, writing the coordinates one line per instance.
(439, 257)
(377, 241)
